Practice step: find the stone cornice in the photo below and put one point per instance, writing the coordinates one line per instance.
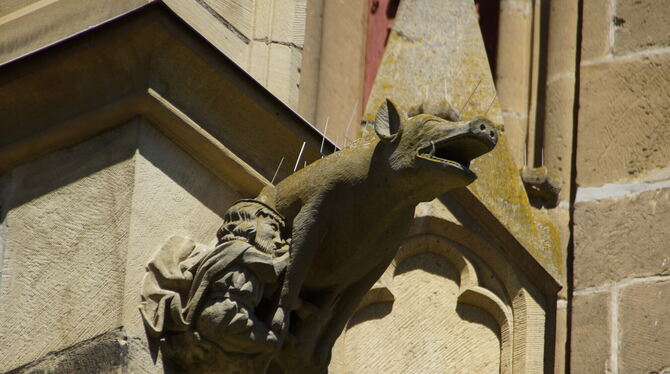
(150, 63)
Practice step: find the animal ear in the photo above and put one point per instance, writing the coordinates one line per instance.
(387, 122)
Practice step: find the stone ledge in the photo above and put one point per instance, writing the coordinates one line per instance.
(104, 353)
(150, 63)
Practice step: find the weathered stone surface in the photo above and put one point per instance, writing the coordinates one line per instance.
(644, 327)
(596, 29)
(620, 238)
(78, 235)
(426, 63)
(516, 18)
(640, 25)
(562, 43)
(341, 54)
(36, 25)
(105, 353)
(172, 195)
(558, 130)
(229, 25)
(622, 128)
(426, 332)
(68, 215)
(9, 6)
(559, 96)
(590, 333)
(239, 14)
(513, 65)
(560, 338)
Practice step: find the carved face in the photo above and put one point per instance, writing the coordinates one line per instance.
(429, 143)
(268, 234)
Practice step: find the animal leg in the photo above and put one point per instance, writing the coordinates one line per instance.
(307, 233)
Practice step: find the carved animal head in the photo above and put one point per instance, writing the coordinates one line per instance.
(433, 147)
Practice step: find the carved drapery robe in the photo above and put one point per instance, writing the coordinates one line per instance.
(180, 276)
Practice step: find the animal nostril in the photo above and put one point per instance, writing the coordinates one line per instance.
(482, 127)
(492, 134)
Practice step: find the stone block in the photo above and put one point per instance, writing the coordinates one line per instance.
(280, 21)
(78, 236)
(102, 354)
(514, 49)
(590, 340)
(37, 24)
(560, 95)
(263, 19)
(280, 80)
(237, 13)
(560, 338)
(342, 54)
(258, 61)
(10, 6)
(67, 220)
(640, 25)
(173, 195)
(596, 26)
(515, 130)
(644, 327)
(621, 238)
(623, 130)
(562, 44)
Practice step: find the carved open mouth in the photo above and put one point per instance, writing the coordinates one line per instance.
(456, 151)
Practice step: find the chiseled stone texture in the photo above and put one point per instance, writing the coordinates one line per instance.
(641, 25)
(173, 195)
(67, 223)
(623, 130)
(33, 24)
(105, 353)
(590, 333)
(426, 63)
(424, 331)
(621, 238)
(81, 224)
(644, 323)
(596, 24)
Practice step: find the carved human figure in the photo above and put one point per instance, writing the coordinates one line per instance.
(205, 306)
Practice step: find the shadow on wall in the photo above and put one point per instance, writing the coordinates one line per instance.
(63, 167)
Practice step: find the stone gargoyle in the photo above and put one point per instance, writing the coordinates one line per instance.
(347, 215)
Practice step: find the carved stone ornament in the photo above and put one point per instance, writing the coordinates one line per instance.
(266, 301)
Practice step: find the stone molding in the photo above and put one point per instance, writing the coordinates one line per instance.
(489, 280)
(138, 64)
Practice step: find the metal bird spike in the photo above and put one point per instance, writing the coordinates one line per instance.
(491, 104)
(323, 140)
(297, 162)
(469, 97)
(277, 171)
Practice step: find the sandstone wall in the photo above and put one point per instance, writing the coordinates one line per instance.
(620, 322)
(264, 37)
(80, 225)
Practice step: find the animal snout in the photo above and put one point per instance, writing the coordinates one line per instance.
(484, 130)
